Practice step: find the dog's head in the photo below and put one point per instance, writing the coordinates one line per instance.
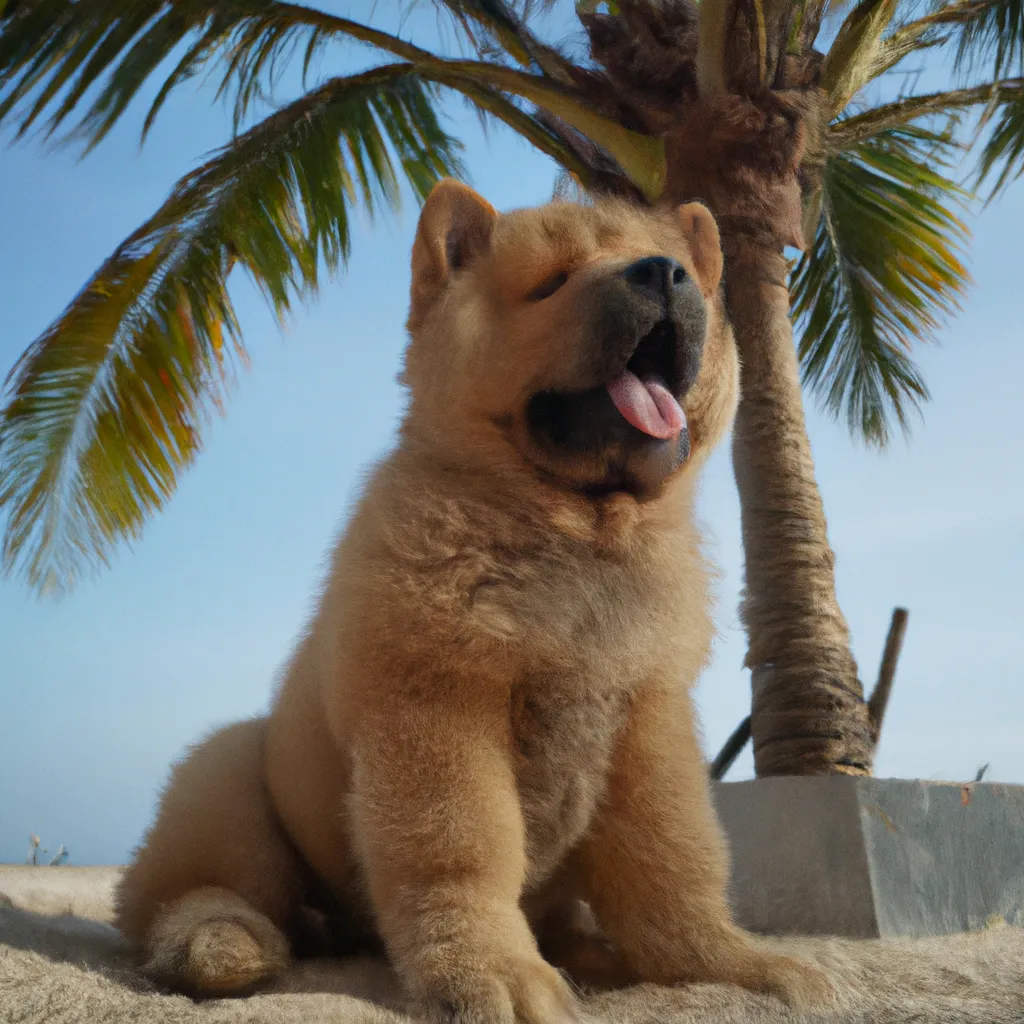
(586, 342)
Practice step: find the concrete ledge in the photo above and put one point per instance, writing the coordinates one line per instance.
(866, 857)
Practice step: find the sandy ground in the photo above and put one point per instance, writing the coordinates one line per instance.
(60, 969)
(84, 892)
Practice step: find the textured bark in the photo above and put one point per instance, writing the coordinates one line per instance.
(738, 107)
(808, 714)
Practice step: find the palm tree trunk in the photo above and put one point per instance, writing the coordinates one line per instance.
(730, 84)
(808, 715)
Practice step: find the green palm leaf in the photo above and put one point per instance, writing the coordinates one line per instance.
(53, 50)
(854, 56)
(849, 132)
(991, 33)
(105, 409)
(933, 29)
(990, 40)
(1004, 147)
(995, 36)
(1002, 105)
(988, 37)
(493, 26)
(642, 157)
(883, 270)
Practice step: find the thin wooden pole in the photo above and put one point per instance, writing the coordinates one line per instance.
(733, 745)
(879, 700)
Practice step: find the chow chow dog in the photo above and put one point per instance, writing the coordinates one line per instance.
(487, 729)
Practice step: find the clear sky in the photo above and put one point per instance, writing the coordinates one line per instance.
(99, 692)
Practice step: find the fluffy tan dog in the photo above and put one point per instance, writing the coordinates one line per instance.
(489, 718)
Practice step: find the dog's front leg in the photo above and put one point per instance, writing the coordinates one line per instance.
(438, 825)
(654, 866)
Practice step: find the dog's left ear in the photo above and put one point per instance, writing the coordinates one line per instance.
(455, 227)
(701, 232)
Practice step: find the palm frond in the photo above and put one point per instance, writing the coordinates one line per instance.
(990, 41)
(849, 132)
(54, 53)
(642, 157)
(995, 36)
(883, 271)
(852, 59)
(536, 129)
(991, 35)
(491, 25)
(935, 27)
(52, 49)
(912, 37)
(105, 409)
(1002, 117)
(1003, 151)
(985, 30)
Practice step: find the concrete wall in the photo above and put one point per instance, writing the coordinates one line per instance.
(867, 857)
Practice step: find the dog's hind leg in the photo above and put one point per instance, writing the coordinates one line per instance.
(215, 887)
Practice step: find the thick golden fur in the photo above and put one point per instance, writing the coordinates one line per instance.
(489, 717)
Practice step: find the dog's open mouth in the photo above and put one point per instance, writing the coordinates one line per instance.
(643, 391)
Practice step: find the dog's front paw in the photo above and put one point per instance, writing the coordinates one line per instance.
(514, 992)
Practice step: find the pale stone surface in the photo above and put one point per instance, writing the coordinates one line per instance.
(868, 857)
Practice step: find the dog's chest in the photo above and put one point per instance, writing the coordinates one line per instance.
(563, 737)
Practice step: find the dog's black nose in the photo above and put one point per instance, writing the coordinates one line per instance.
(656, 276)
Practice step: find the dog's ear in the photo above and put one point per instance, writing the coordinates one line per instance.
(455, 226)
(701, 232)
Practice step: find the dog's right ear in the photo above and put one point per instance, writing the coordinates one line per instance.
(455, 226)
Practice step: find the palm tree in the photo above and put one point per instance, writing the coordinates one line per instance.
(726, 100)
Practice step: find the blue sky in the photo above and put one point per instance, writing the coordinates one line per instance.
(98, 693)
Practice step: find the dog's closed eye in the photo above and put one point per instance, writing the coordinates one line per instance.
(549, 287)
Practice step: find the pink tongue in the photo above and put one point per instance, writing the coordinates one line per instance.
(648, 405)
